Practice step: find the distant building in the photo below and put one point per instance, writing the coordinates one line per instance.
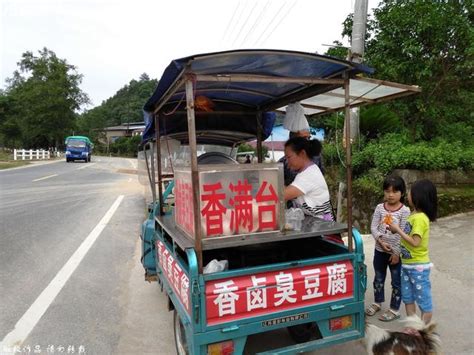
(125, 130)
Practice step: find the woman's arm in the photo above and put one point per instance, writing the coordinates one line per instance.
(413, 240)
(291, 192)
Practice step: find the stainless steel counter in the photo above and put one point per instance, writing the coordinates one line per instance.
(311, 227)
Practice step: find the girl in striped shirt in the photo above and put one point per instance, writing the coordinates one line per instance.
(387, 246)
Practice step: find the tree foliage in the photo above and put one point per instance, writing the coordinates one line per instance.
(430, 44)
(375, 121)
(337, 50)
(124, 107)
(38, 107)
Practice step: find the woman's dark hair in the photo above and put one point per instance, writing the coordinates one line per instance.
(312, 147)
(425, 198)
(397, 184)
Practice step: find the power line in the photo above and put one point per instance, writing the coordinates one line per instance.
(278, 24)
(231, 20)
(266, 28)
(245, 22)
(239, 16)
(255, 23)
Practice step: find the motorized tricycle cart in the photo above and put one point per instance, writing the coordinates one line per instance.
(207, 208)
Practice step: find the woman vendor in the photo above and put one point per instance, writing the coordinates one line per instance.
(309, 189)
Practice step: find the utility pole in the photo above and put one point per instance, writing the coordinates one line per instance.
(356, 54)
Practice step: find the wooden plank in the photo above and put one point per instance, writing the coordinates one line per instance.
(413, 88)
(170, 92)
(226, 90)
(194, 168)
(317, 107)
(311, 228)
(353, 98)
(266, 79)
(158, 162)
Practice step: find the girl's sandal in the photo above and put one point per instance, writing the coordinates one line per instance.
(389, 315)
(372, 309)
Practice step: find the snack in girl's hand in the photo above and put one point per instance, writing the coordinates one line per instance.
(388, 219)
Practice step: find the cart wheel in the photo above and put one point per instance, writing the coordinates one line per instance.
(180, 336)
(302, 333)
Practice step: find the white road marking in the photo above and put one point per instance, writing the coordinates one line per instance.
(46, 177)
(85, 166)
(31, 317)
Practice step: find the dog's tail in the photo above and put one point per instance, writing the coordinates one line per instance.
(427, 332)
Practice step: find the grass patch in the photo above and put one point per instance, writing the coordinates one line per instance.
(455, 199)
(5, 156)
(7, 162)
(12, 164)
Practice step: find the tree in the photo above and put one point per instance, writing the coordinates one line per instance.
(122, 108)
(337, 50)
(43, 97)
(430, 44)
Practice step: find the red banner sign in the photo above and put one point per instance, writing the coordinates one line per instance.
(266, 293)
(184, 210)
(248, 213)
(231, 201)
(175, 275)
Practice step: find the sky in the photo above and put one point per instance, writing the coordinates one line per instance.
(114, 41)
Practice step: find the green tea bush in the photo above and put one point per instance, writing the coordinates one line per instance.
(394, 151)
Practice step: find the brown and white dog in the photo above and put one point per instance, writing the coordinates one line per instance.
(416, 338)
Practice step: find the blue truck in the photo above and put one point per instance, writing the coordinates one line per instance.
(216, 238)
(78, 148)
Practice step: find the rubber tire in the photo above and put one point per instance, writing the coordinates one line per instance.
(179, 334)
(67, 160)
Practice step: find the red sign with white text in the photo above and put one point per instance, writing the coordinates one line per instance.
(184, 210)
(232, 200)
(269, 292)
(175, 275)
(245, 213)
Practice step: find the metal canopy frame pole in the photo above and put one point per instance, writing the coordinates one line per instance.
(266, 79)
(194, 168)
(151, 172)
(347, 117)
(158, 163)
(259, 137)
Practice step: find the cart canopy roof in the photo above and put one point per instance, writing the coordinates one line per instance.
(236, 85)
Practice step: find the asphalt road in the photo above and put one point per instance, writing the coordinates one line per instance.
(106, 307)
(46, 213)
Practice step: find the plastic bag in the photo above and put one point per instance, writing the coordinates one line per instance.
(215, 266)
(295, 120)
(294, 218)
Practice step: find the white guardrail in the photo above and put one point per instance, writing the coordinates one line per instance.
(30, 154)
